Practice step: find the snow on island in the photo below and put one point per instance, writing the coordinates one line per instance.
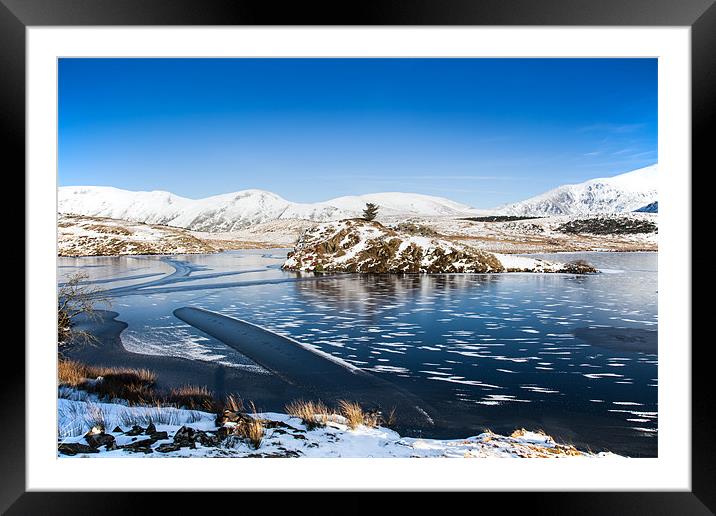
(358, 245)
(171, 432)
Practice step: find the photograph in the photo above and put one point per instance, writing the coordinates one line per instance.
(355, 257)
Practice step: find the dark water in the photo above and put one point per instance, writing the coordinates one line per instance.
(575, 356)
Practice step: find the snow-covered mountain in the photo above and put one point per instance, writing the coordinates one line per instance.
(234, 211)
(240, 210)
(649, 208)
(622, 193)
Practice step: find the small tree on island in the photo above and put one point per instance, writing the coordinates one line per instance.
(370, 212)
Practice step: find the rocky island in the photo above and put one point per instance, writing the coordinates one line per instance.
(358, 245)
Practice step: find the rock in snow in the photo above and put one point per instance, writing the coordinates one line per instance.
(357, 245)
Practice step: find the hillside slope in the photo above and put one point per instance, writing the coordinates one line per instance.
(622, 193)
(96, 236)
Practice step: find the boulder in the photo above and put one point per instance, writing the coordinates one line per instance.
(103, 439)
(143, 446)
(158, 436)
(75, 448)
(168, 447)
(188, 437)
(135, 430)
(185, 437)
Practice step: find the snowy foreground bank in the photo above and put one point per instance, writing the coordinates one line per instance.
(162, 432)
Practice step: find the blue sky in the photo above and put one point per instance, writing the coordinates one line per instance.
(479, 131)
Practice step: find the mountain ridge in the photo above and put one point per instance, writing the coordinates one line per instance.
(238, 210)
(621, 193)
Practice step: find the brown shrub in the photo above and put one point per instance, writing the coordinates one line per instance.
(102, 228)
(133, 385)
(126, 385)
(417, 229)
(137, 386)
(192, 397)
(578, 267)
(71, 373)
(411, 257)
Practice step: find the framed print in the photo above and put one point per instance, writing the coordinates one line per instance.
(368, 247)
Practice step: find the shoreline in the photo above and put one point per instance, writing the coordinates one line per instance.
(273, 391)
(193, 433)
(271, 246)
(175, 371)
(269, 391)
(324, 376)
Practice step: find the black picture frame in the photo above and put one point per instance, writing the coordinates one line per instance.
(700, 15)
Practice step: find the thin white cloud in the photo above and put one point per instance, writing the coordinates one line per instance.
(611, 128)
(396, 179)
(623, 151)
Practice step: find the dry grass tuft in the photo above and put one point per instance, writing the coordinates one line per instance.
(233, 403)
(354, 414)
(72, 373)
(389, 419)
(520, 432)
(254, 432)
(251, 428)
(316, 414)
(255, 429)
(312, 413)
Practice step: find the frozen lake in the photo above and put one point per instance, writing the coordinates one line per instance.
(575, 356)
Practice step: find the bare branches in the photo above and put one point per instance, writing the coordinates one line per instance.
(76, 297)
